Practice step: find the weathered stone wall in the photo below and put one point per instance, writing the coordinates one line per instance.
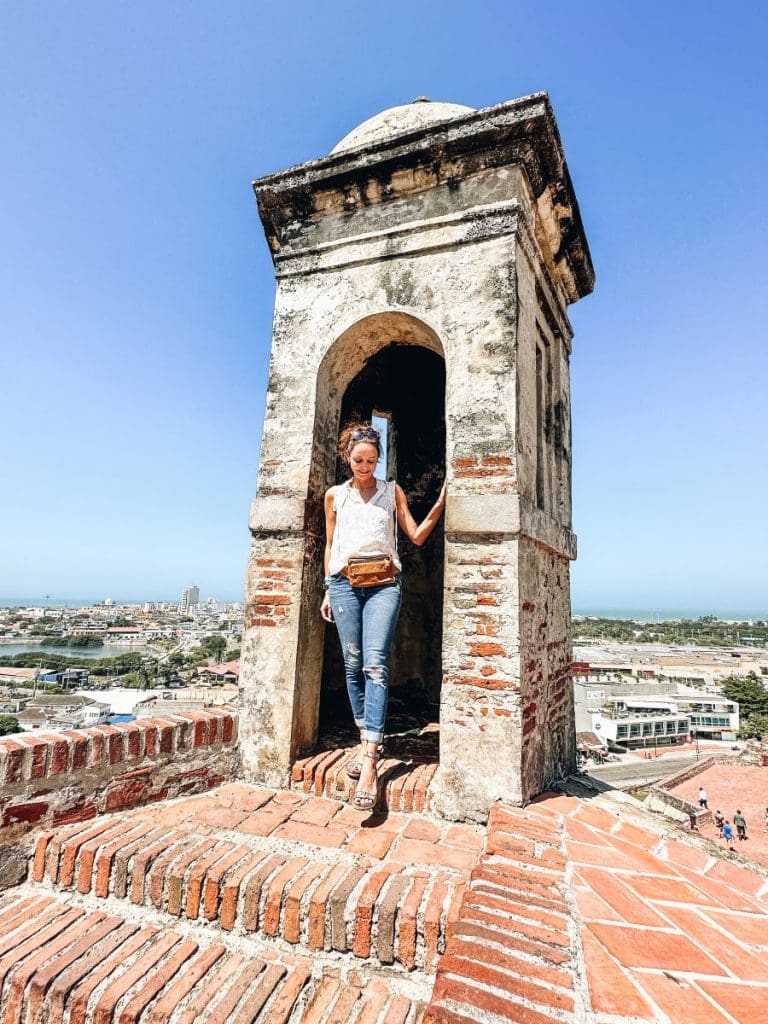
(269, 656)
(464, 239)
(312, 366)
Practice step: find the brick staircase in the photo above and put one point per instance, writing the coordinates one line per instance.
(403, 780)
(241, 904)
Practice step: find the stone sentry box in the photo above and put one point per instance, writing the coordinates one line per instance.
(441, 245)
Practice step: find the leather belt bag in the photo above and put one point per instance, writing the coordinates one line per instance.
(370, 572)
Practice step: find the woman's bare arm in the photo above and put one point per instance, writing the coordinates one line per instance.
(417, 533)
(330, 526)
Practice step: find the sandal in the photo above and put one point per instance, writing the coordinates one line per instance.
(354, 768)
(366, 801)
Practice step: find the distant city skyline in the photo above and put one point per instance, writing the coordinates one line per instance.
(137, 289)
(645, 613)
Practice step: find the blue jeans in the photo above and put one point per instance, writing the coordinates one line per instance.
(365, 618)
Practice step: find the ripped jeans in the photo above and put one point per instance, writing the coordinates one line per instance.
(365, 618)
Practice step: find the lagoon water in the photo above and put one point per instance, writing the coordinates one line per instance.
(107, 651)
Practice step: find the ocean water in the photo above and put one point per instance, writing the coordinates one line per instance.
(84, 653)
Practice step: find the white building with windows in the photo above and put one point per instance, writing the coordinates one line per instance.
(710, 714)
(640, 726)
(648, 715)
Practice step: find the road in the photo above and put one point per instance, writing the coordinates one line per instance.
(634, 773)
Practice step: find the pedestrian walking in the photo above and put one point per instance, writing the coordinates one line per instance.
(703, 798)
(719, 819)
(741, 825)
(728, 835)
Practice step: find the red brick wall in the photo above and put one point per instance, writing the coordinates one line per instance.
(55, 778)
(546, 689)
(270, 592)
(496, 472)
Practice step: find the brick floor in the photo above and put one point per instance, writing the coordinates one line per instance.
(661, 938)
(272, 870)
(404, 785)
(123, 975)
(656, 940)
(290, 907)
(732, 786)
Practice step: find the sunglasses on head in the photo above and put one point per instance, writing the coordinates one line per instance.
(364, 434)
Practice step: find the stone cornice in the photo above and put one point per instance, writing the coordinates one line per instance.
(479, 224)
(520, 132)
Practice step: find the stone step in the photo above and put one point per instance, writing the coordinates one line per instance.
(206, 859)
(403, 781)
(62, 961)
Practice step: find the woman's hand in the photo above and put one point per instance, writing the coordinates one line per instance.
(417, 533)
(325, 608)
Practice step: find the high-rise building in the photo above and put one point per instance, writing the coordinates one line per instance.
(190, 598)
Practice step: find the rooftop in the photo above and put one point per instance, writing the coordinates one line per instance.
(250, 904)
(730, 787)
(50, 700)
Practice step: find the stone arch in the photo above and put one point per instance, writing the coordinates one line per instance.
(343, 361)
(371, 342)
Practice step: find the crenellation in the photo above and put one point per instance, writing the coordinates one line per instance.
(74, 775)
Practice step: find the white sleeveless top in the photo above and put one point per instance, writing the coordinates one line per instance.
(363, 527)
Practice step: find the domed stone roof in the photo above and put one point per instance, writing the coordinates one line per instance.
(394, 121)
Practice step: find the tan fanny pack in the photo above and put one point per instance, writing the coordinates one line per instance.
(370, 572)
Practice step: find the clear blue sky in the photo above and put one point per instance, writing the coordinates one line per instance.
(136, 288)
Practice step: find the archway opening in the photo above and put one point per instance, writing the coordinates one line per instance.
(403, 386)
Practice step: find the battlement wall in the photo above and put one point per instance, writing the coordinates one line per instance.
(57, 778)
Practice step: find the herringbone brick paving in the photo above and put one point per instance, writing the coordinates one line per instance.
(287, 907)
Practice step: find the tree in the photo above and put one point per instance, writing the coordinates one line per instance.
(176, 661)
(8, 724)
(213, 646)
(755, 725)
(750, 693)
(145, 673)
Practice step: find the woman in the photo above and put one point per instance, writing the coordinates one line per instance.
(360, 523)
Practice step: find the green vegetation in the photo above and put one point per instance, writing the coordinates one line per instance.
(755, 725)
(213, 647)
(706, 631)
(74, 641)
(752, 696)
(210, 648)
(8, 724)
(140, 680)
(127, 662)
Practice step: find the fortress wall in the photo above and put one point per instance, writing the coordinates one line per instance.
(53, 779)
